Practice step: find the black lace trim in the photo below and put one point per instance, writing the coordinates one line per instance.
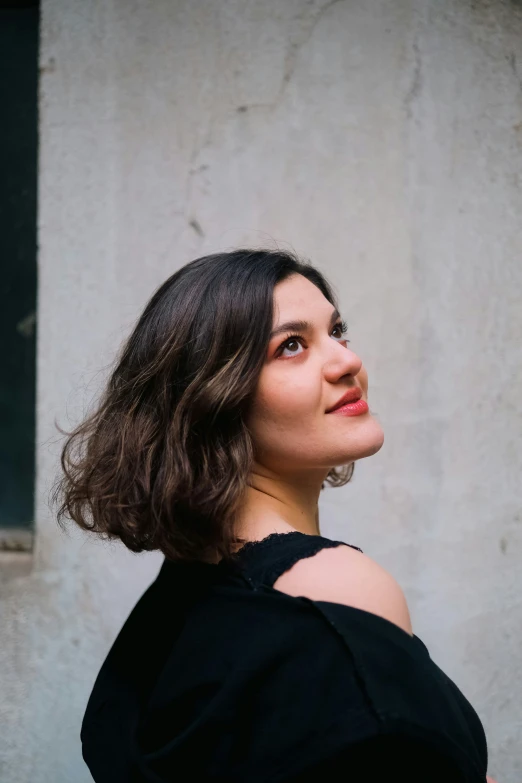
(263, 543)
(246, 562)
(273, 537)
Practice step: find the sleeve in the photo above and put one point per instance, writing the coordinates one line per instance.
(288, 690)
(385, 757)
(424, 728)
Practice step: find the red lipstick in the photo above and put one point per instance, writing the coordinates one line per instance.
(352, 408)
(350, 404)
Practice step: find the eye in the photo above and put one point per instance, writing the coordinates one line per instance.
(294, 338)
(341, 327)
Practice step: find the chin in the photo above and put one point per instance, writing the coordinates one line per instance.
(369, 442)
(373, 449)
(377, 437)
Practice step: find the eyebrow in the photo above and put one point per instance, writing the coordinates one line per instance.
(300, 326)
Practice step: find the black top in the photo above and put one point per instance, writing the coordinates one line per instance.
(217, 676)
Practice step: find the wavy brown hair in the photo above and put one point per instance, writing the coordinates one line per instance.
(164, 460)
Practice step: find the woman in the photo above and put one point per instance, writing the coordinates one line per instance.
(263, 651)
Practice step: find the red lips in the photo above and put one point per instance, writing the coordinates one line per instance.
(352, 395)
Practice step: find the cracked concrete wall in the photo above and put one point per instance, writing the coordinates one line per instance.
(382, 140)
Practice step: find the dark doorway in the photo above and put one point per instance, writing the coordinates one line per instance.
(19, 36)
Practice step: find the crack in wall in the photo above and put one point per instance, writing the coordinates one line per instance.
(293, 51)
(512, 60)
(310, 23)
(416, 82)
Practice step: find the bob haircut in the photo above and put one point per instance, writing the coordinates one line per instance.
(164, 460)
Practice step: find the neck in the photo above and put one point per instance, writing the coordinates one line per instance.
(280, 503)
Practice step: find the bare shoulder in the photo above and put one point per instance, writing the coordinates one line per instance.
(343, 575)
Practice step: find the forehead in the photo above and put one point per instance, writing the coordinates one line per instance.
(297, 297)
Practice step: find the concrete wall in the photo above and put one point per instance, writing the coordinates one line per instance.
(382, 140)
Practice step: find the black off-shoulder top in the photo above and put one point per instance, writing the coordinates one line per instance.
(217, 676)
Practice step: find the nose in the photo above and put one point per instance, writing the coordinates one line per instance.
(342, 361)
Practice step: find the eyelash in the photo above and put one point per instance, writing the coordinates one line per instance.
(342, 324)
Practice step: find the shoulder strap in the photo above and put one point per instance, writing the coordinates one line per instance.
(263, 562)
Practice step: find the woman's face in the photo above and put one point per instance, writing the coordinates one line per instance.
(301, 380)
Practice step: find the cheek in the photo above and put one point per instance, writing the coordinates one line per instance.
(282, 406)
(286, 400)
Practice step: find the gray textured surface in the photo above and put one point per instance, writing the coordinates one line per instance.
(382, 140)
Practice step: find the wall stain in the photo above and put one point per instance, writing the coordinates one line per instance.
(49, 67)
(417, 81)
(197, 227)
